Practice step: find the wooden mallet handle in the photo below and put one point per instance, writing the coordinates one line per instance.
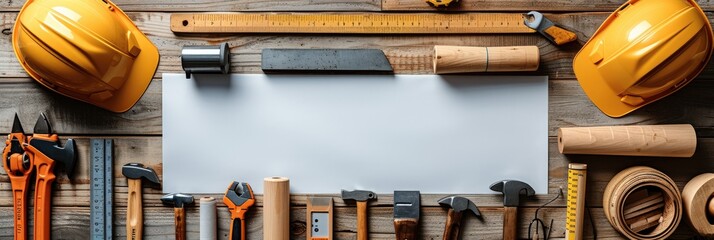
(134, 217)
(453, 225)
(510, 222)
(406, 229)
(180, 221)
(362, 229)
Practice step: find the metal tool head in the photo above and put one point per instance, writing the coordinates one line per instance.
(358, 195)
(533, 19)
(66, 156)
(17, 126)
(138, 171)
(178, 200)
(239, 193)
(512, 191)
(460, 204)
(406, 204)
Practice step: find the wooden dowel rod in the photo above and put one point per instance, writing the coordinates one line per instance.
(457, 59)
(641, 140)
(276, 208)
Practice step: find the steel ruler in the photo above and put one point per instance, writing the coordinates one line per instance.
(575, 211)
(101, 189)
(460, 23)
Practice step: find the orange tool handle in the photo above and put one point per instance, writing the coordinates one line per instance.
(237, 229)
(19, 194)
(134, 216)
(44, 167)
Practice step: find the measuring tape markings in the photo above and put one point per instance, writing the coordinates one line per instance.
(577, 175)
(101, 189)
(349, 23)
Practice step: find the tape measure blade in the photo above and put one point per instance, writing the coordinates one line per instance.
(575, 201)
(97, 190)
(349, 23)
(109, 179)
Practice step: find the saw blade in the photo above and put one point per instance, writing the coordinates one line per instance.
(329, 60)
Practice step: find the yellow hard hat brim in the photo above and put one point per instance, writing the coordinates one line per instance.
(135, 85)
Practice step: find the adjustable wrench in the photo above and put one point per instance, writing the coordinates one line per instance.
(239, 197)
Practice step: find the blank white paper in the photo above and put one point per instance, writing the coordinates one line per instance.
(436, 134)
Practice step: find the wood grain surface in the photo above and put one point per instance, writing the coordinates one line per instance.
(137, 133)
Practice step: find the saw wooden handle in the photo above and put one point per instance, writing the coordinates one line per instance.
(180, 222)
(406, 229)
(458, 59)
(362, 227)
(453, 225)
(134, 216)
(510, 223)
(43, 187)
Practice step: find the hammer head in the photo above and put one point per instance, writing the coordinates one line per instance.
(460, 204)
(512, 190)
(358, 195)
(138, 171)
(178, 200)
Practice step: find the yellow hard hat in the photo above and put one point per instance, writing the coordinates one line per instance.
(88, 50)
(644, 51)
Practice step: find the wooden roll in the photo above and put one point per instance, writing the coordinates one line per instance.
(276, 208)
(697, 200)
(457, 59)
(621, 199)
(641, 140)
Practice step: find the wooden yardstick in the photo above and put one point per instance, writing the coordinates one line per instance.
(575, 210)
(351, 23)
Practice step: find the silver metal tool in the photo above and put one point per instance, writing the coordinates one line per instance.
(325, 60)
(101, 189)
(206, 59)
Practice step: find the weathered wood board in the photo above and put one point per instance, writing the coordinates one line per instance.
(138, 131)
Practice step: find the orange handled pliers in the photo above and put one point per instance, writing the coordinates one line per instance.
(239, 197)
(38, 153)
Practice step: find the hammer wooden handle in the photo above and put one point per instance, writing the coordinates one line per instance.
(134, 217)
(43, 187)
(180, 221)
(406, 229)
(453, 225)
(510, 220)
(362, 230)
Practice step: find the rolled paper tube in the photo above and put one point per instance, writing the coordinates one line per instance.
(207, 218)
(697, 201)
(641, 140)
(457, 59)
(276, 208)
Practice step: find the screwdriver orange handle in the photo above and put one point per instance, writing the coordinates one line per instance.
(43, 186)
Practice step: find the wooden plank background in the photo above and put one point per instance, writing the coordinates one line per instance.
(138, 131)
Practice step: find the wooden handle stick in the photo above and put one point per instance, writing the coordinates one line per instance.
(362, 231)
(640, 140)
(276, 208)
(134, 216)
(180, 222)
(510, 220)
(453, 225)
(457, 59)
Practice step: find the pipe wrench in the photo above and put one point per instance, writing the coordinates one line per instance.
(239, 197)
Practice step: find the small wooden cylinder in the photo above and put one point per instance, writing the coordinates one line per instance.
(457, 59)
(642, 140)
(697, 200)
(276, 208)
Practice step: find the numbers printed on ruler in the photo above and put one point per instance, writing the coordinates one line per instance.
(575, 201)
(101, 189)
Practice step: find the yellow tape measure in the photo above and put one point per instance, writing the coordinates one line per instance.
(349, 23)
(575, 210)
